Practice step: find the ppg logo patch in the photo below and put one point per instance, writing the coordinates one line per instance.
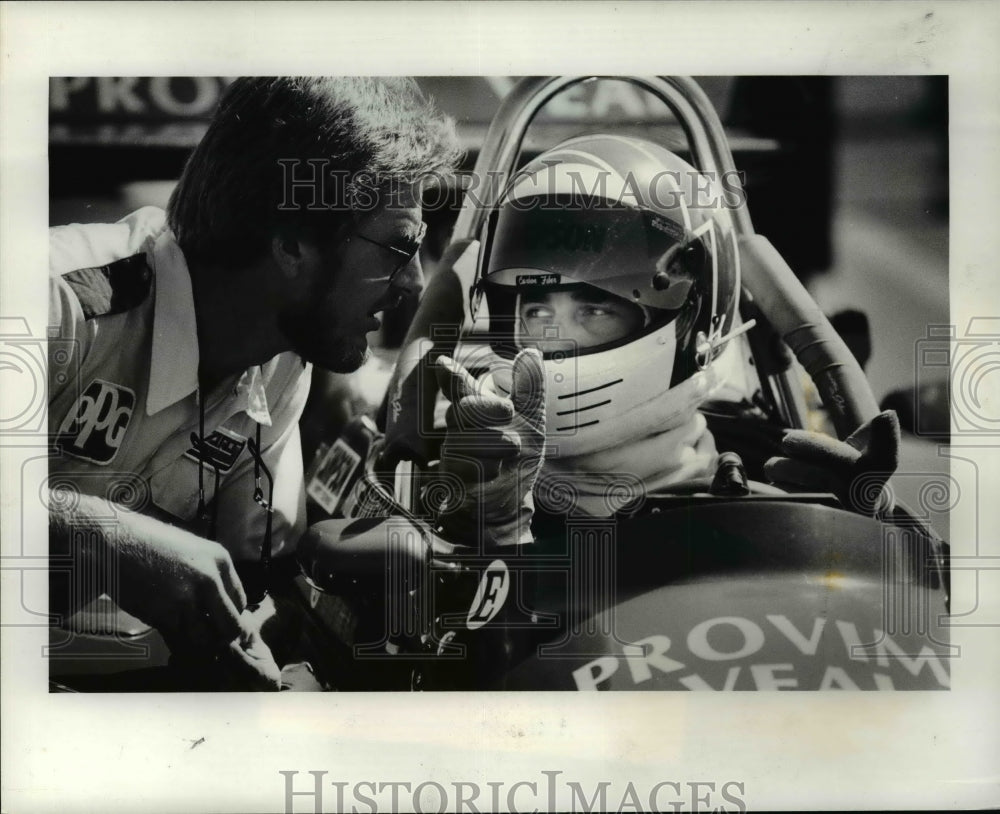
(94, 428)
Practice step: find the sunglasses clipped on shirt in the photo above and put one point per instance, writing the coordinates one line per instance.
(404, 253)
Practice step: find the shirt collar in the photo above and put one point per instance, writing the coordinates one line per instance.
(252, 396)
(173, 373)
(173, 368)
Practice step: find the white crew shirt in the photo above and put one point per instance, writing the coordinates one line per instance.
(123, 391)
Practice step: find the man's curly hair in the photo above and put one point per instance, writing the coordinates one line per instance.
(303, 153)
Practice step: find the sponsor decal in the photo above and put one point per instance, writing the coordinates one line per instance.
(667, 226)
(95, 426)
(333, 475)
(738, 653)
(396, 402)
(537, 279)
(490, 596)
(222, 449)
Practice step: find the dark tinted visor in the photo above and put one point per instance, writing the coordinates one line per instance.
(631, 253)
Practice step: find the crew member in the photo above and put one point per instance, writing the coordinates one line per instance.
(186, 344)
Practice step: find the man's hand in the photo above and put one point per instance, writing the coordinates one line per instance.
(184, 586)
(855, 469)
(494, 447)
(189, 591)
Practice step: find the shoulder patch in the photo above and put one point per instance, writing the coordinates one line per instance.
(114, 288)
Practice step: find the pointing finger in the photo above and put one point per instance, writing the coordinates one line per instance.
(454, 380)
(479, 411)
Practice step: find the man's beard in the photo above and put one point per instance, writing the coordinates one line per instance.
(315, 340)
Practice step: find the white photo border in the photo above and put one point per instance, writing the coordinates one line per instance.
(798, 750)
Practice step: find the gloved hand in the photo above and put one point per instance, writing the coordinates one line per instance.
(494, 447)
(409, 409)
(855, 469)
(407, 412)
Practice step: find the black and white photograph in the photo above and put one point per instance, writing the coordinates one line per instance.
(543, 494)
(389, 426)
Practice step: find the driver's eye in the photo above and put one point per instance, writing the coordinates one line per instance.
(595, 311)
(537, 312)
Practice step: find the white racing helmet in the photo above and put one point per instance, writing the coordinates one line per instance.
(633, 219)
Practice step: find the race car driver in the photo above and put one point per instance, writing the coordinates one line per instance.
(611, 274)
(183, 341)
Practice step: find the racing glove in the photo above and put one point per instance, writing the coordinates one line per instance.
(492, 452)
(855, 469)
(407, 412)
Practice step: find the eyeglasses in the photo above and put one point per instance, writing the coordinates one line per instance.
(405, 255)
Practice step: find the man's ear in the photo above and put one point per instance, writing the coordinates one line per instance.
(293, 255)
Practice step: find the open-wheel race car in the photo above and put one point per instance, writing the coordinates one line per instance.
(722, 581)
(719, 581)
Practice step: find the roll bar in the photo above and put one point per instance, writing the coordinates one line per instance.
(768, 281)
(498, 157)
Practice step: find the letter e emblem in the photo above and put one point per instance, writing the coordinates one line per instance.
(490, 596)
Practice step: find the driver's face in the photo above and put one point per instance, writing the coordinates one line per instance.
(578, 319)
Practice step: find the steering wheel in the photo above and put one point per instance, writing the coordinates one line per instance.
(784, 301)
